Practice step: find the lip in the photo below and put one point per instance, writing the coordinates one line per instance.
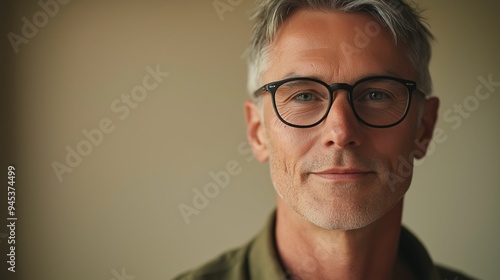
(342, 174)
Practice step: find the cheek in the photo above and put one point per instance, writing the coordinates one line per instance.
(284, 141)
(288, 148)
(395, 145)
(279, 143)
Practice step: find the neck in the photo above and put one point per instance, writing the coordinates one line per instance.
(310, 252)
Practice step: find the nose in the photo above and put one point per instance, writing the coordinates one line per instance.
(341, 128)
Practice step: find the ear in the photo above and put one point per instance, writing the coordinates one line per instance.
(427, 125)
(256, 134)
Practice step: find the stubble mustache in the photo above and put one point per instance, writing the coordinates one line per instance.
(345, 159)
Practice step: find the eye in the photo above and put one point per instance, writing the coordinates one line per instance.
(305, 96)
(376, 95)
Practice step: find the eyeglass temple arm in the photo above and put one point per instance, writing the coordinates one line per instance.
(259, 91)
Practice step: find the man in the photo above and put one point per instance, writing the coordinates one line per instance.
(340, 107)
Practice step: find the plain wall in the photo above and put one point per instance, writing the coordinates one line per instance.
(117, 210)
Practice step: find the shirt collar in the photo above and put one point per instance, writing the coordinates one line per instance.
(263, 256)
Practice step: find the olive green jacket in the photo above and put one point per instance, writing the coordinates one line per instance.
(258, 260)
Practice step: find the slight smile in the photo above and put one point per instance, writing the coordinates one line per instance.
(342, 174)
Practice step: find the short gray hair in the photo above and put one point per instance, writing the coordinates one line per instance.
(403, 20)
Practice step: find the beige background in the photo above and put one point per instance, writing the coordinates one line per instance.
(118, 209)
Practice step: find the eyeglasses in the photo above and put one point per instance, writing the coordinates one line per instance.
(377, 101)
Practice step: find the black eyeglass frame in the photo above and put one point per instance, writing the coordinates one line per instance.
(273, 86)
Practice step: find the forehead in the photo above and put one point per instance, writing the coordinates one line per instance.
(334, 45)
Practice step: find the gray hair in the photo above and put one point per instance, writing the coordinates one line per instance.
(404, 21)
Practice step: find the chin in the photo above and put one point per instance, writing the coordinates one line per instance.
(344, 215)
(344, 207)
(339, 220)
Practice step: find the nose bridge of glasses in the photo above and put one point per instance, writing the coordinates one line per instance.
(339, 86)
(335, 89)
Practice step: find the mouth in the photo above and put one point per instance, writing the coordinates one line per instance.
(343, 174)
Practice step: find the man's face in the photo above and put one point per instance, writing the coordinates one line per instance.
(340, 174)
